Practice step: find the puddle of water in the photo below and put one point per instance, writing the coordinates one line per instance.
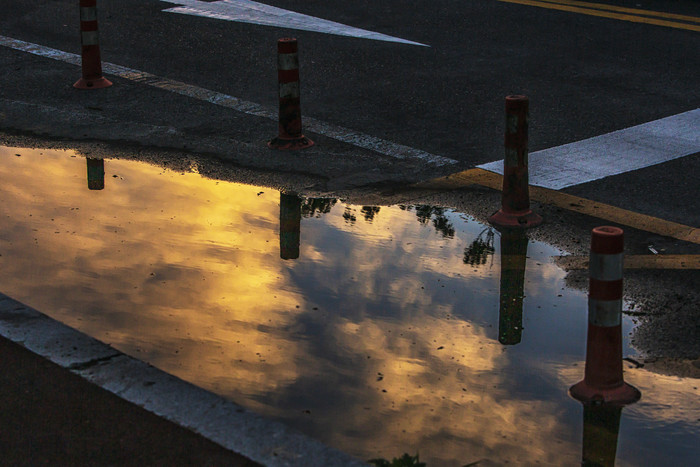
(376, 330)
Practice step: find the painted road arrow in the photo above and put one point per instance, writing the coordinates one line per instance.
(246, 11)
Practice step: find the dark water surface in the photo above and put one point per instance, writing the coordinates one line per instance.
(378, 330)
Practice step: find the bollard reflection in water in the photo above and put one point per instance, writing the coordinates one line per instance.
(601, 425)
(513, 262)
(366, 343)
(290, 226)
(96, 174)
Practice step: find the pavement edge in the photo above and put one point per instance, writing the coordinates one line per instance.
(265, 441)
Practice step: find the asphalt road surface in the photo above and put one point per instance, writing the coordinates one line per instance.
(435, 87)
(585, 75)
(587, 68)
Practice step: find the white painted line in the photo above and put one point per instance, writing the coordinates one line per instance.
(247, 11)
(613, 153)
(219, 420)
(345, 135)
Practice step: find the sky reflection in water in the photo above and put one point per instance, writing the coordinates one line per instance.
(376, 330)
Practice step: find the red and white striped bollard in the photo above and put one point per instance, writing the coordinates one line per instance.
(603, 381)
(290, 133)
(515, 209)
(89, 39)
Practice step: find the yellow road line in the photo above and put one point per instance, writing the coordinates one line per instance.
(636, 262)
(571, 203)
(607, 14)
(635, 11)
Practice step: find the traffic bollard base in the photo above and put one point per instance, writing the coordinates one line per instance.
(623, 394)
(96, 83)
(292, 144)
(515, 220)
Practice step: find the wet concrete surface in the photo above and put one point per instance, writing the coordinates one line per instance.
(50, 416)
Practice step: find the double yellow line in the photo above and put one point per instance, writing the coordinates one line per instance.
(634, 15)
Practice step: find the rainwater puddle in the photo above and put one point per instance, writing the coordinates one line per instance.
(378, 330)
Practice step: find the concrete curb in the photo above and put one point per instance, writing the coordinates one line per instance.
(219, 420)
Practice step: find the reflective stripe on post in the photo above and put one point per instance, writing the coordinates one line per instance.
(604, 313)
(88, 13)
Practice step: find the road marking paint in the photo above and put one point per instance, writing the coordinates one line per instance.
(345, 135)
(635, 11)
(613, 153)
(635, 262)
(572, 203)
(568, 6)
(247, 11)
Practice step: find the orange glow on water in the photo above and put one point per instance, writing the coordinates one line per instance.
(380, 321)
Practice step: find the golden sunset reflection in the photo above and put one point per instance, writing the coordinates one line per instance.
(375, 336)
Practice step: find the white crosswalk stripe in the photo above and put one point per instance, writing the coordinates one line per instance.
(613, 153)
